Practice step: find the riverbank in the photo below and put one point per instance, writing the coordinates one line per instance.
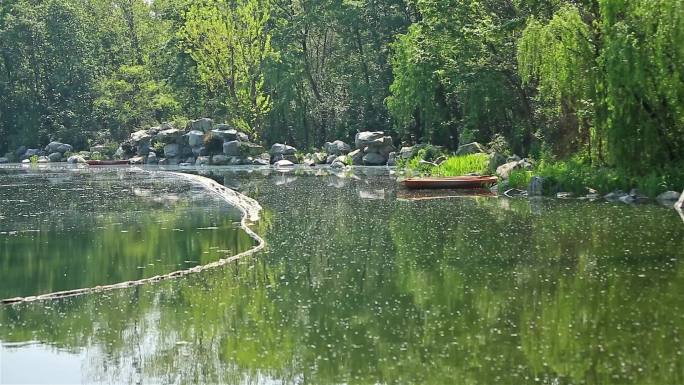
(564, 179)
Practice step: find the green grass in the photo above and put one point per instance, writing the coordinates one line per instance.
(575, 176)
(453, 166)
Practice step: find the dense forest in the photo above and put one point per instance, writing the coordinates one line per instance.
(598, 79)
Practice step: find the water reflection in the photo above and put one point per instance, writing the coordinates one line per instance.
(78, 228)
(365, 291)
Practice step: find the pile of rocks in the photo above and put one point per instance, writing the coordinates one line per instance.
(201, 142)
(373, 148)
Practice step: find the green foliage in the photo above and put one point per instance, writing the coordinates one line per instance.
(231, 43)
(463, 165)
(131, 99)
(520, 179)
(452, 166)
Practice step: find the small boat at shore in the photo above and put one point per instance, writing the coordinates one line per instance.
(455, 182)
(107, 162)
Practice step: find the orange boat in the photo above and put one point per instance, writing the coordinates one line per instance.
(455, 182)
(107, 162)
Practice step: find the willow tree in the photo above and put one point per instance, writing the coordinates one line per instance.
(230, 40)
(558, 57)
(617, 70)
(643, 57)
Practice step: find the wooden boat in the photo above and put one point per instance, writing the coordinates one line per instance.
(456, 182)
(107, 162)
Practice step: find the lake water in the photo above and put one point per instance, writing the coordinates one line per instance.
(361, 283)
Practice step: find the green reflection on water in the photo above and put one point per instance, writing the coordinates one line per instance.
(364, 291)
(67, 230)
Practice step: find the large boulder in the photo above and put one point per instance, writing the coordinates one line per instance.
(226, 135)
(232, 148)
(171, 135)
(76, 159)
(495, 160)
(140, 136)
(282, 149)
(668, 196)
(374, 159)
(31, 152)
(337, 147)
(195, 138)
(470, 148)
(382, 146)
(55, 157)
(172, 150)
(283, 164)
(53, 147)
(505, 170)
(203, 124)
(364, 138)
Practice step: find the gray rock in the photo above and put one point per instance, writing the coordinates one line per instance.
(319, 158)
(536, 186)
(31, 152)
(232, 148)
(223, 126)
(337, 147)
(203, 124)
(289, 158)
(495, 160)
(203, 160)
(163, 162)
(190, 160)
(76, 159)
(374, 159)
(227, 134)
(363, 139)
(137, 160)
(140, 136)
(470, 148)
(195, 138)
(283, 164)
(282, 149)
(220, 160)
(260, 162)
(309, 162)
(251, 149)
(172, 150)
(243, 137)
(330, 159)
(564, 195)
(680, 203)
(408, 152)
(55, 157)
(356, 157)
(615, 195)
(512, 158)
(25, 161)
(43, 159)
(504, 171)
(171, 135)
(199, 151)
(58, 147)
(152, 158)
(382, 146)
(668, 196)
(4, 160)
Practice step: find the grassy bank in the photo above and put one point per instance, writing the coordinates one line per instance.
(571, 175)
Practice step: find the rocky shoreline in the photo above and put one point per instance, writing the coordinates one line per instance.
(202, 142)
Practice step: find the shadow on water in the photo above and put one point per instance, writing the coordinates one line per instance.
(360, 287)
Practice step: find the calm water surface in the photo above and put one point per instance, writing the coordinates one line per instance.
(360, 284)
